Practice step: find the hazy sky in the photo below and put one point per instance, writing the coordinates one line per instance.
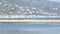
(55, 0)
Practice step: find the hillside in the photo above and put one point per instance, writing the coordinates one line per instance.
(29, 7)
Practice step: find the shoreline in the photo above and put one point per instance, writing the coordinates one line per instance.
(31, 21)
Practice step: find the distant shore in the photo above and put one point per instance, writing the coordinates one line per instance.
(31, 21)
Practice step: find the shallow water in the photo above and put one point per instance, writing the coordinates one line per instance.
(29, 28)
